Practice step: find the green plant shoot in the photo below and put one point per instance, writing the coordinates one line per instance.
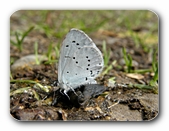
(19, 41)
(128, 60)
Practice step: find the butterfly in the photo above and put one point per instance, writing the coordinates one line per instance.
(80, 61)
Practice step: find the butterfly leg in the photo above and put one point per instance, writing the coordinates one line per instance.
(65, 92)
(61, 91)
(74, 91)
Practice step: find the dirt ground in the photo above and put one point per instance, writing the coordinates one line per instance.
(117, 100)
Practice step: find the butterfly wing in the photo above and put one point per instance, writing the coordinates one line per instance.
(80, 60)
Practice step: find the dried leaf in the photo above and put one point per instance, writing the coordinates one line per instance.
(135, 76)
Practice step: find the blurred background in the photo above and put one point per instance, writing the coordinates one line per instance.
(54, 24)
(49, 27)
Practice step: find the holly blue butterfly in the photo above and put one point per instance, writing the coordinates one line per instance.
(80, 61)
